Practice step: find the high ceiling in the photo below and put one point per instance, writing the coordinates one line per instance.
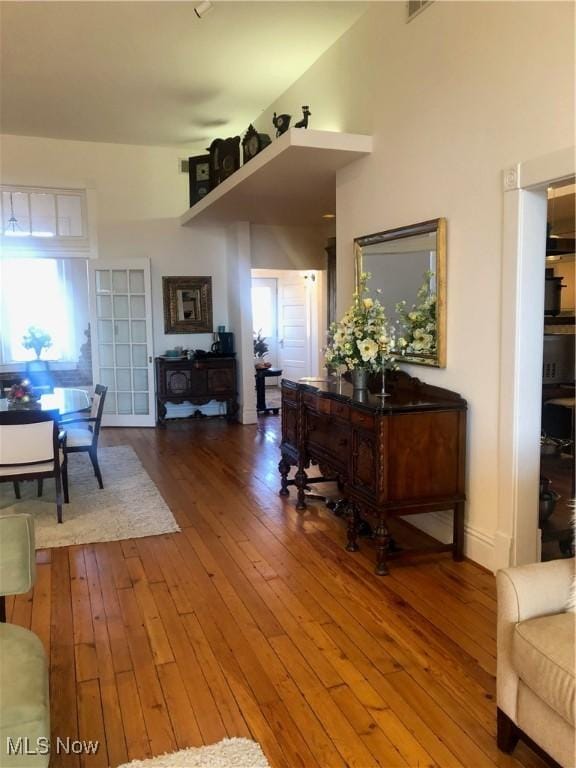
(153, 72)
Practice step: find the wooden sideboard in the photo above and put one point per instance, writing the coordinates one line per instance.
(395, 456)
(197, 381)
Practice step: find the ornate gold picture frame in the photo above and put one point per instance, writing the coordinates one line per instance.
(187, 304)
(402, 260)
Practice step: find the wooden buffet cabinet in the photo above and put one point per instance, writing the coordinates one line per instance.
(198, 381)
(394, 456)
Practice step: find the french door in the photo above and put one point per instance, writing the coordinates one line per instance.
(121, 334)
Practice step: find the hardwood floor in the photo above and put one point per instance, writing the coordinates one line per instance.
(254, 621)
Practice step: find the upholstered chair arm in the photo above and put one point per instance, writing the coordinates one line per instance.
(526, 592)
(17, 554)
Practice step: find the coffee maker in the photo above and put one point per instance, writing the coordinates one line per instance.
(224, 344)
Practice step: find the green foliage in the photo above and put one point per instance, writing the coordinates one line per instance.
(37, 339)
(260, 346)
(419, 322)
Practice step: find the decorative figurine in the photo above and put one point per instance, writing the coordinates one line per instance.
(304, 122)
(281, 123)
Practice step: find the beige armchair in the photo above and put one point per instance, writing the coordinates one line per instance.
(536, 659)
(24, 703)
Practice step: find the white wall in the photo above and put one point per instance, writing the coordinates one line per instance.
(140, 195)
(289, 247)
(462, 92)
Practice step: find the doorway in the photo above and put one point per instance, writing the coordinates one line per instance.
(265, 315)
(288, 309)
(121, 323)
(517, 539)
(558, 385)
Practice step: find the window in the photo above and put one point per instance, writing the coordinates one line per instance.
(51, 294)
(44, 219)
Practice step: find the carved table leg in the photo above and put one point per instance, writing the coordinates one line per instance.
(284, 469)
(300, 479)
(352, 544)
(161, 414)
(382, 538)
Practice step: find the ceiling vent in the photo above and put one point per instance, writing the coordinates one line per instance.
(414, 7)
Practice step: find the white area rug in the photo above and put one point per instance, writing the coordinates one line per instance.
(128, 507)
(229, 753)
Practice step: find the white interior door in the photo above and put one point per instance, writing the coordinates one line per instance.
(294, 327)
(265, 315)
(121, 331)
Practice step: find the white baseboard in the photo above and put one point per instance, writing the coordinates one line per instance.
(247, 415)
(502, 550)
(479, 545)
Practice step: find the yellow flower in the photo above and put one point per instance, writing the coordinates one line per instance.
(368, 303)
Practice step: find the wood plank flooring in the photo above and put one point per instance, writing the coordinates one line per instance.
(254, 621)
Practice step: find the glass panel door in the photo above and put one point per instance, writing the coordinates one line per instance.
(122, 340)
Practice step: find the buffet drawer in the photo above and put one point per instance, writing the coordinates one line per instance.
(341, 410)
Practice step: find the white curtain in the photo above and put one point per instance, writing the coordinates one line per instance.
(36, 292)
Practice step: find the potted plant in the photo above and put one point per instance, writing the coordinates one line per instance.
(260, 350)
(37, 339)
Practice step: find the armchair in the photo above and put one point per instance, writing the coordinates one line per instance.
(24, 698)
(536, 659)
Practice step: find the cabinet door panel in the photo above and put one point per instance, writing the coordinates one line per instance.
(177, 382)
(425, 457)
(365, 461)
(290, 423)
(220, 380)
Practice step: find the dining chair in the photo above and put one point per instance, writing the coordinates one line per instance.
(84, 437)
(33, 448)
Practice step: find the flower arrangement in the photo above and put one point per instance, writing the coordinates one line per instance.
(22, 393)
(260, 346)
(419, 323)
(364, 338)
(260, 350)
(37, 339)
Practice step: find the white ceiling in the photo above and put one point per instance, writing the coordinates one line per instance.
(152, 72)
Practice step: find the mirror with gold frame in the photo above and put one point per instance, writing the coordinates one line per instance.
(407, 266)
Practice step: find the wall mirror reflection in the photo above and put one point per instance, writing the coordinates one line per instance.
(408, 275)
(187, 304)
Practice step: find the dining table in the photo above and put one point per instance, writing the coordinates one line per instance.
(63, 401)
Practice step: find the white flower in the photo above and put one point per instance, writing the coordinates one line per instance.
(339, 336)
(368, 303)
(368, 349)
